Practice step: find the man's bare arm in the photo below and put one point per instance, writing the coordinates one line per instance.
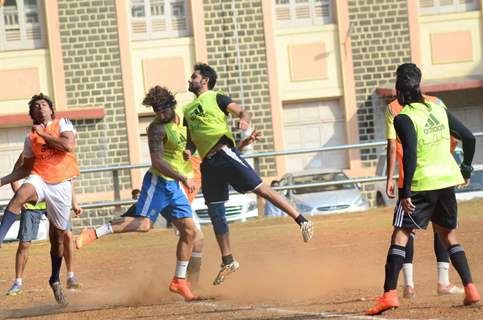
(236, 110)
(15, 184)
(19, 173)
(66, 141)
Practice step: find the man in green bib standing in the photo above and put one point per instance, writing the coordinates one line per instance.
(430, 176)
(222, 165)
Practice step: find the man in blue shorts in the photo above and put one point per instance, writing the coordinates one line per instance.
(161, 190)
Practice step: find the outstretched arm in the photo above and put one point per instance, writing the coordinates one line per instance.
(254, 136)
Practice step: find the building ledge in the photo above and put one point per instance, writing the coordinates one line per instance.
(449, 84)
(23, 119)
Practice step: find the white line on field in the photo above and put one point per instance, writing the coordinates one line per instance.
(295, 312)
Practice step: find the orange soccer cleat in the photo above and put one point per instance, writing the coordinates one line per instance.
(388, 301)
(471, 295)
(181, 287)
(85, 237)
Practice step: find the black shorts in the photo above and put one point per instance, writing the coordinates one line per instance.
(226, 167)
(439, 206)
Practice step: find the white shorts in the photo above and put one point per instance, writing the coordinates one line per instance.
(57, 197)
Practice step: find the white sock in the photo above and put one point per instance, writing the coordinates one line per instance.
(443, 273)
(181, 267)
(18, 281)
(408, 275)
(196, 254)
(104, 230)
(70, 275)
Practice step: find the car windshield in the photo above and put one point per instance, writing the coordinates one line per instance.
(321, 177)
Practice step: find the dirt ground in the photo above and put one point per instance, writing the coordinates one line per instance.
(336, 275)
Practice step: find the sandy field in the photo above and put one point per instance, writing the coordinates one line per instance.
(337, 274)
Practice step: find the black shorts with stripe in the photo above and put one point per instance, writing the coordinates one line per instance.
(438, 206)
(226, 167)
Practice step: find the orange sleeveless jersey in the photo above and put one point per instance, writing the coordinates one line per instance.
(54, 166)
(395, 110)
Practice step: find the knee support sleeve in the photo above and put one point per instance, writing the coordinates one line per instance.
(217, 215)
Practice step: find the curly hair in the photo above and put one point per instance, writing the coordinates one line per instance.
(408, 83)
(207, 72)
(159, 98)
(38, 97)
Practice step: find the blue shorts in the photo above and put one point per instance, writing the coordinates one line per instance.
(29, 224)
(162, 196)
(226, 167)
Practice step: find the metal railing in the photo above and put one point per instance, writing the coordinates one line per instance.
(256, 157)
(117, 202)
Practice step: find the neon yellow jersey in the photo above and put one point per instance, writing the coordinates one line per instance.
(174, 145)
(435, 166)
(206, 122)
(39, 207)
(390, 131)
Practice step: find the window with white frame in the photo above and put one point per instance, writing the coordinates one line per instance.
(428, 7)
(293, 13)
(155, 19)
(21, 25)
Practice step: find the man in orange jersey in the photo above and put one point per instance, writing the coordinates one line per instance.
(49, 165)
(395, 152)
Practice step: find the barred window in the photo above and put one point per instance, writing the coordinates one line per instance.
(292, 13)
(428, 7)
(155, 19)
(21, 25)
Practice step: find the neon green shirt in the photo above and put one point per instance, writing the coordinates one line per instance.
(206, 122)
(39, 207)
(174, 145)
(435, 166)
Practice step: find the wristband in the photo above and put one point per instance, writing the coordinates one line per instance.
(466, 170)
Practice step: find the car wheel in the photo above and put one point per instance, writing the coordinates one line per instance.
(380, 200)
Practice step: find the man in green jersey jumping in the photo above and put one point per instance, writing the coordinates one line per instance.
(222, 165)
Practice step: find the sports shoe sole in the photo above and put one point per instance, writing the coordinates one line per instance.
(225, 272)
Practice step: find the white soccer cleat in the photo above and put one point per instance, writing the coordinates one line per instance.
(226, 269)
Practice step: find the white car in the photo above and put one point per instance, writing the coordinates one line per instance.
(346, 197)
(43, 233)
(240, 207)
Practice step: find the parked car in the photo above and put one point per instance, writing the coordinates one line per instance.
(240, 207)
(43, 233)
(474, 190)
(346, 197)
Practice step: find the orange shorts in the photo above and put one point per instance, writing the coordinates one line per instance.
(195, 163)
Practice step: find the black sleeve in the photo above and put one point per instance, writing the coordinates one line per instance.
(223, 102)
(408, 137)
(460, 132)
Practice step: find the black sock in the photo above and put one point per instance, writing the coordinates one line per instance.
(56, 264)
(394, 262)
(460, 263)
(300, 219)
(193, 272)
(227, 259)
(439, 250)
(409, 249)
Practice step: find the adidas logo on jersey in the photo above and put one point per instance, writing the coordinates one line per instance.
(433, 125)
